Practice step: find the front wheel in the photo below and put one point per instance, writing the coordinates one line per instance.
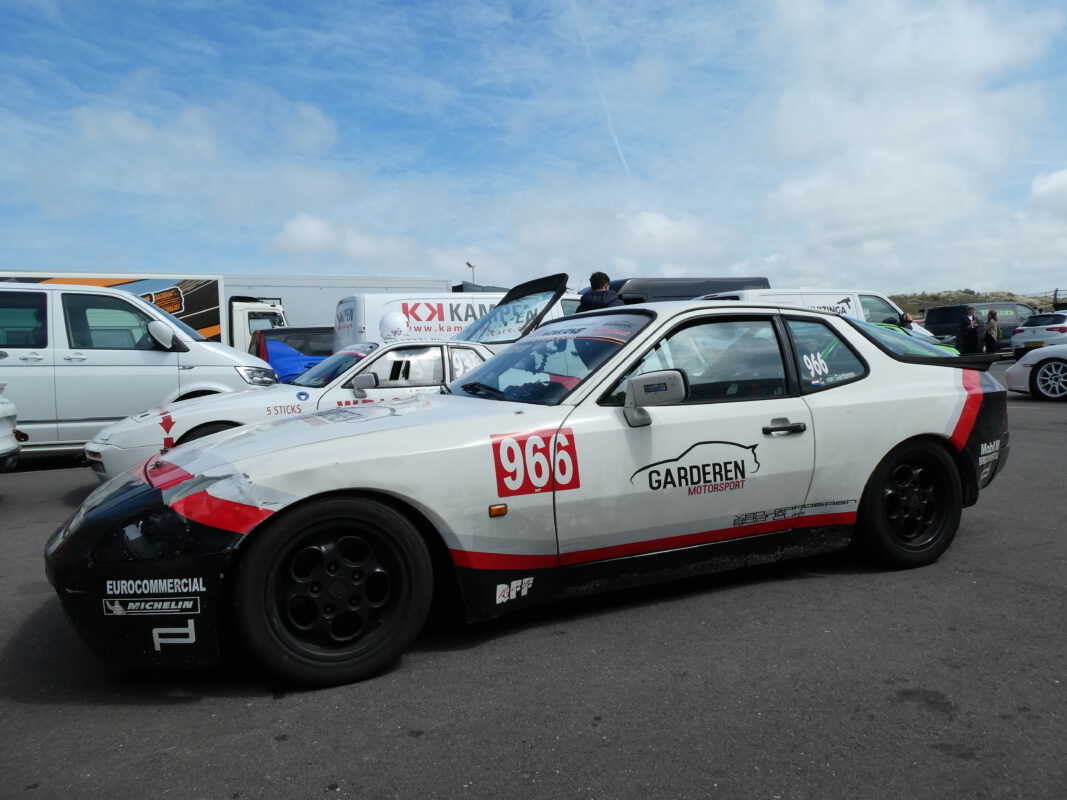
(334, 592)
(206, 430)
(1048, 380)
(911, 506)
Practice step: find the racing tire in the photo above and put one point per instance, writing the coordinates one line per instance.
(1048, 380)
(334, 592)
(911, 507)
(206, 430)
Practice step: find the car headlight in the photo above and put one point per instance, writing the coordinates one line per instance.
(257, 376)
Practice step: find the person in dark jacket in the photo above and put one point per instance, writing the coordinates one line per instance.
(599, 296)
(967, 339)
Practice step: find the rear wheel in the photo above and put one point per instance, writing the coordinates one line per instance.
(911, 507)
(1048, 380)
(334, 592)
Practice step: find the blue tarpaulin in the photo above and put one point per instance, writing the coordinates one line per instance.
(287, 362)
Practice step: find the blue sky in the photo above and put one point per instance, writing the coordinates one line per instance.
(881, 144)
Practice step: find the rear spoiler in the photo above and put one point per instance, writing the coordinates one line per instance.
(978, 361)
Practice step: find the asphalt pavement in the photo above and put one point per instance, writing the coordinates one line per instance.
(820, 678)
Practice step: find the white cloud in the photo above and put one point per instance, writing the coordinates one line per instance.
(1049, 192)
(307, 237)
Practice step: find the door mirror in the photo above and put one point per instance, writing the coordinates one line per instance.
(164, 336)
(368, 380)
(660, 388)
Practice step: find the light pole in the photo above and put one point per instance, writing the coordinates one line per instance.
(469, 264)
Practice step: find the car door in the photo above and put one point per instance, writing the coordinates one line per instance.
(402, 370)
(107, 365)
(734, 460)
(27, 363)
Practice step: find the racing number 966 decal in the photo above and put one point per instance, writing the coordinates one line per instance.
(527, 463)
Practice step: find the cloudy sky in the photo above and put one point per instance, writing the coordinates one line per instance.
(882, 144)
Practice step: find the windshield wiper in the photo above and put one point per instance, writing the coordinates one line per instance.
(483, 390)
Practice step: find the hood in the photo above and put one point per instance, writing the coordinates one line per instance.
(222, 354)
(207, 403)
(384, 447)
(429, 418)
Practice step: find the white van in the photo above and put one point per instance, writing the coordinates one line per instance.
(858, 303)
(78, 358)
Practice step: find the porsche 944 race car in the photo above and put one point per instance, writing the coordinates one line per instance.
(601, 449)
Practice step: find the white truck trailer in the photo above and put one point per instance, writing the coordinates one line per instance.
(312, 299)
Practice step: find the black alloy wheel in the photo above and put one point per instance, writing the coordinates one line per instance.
(911, 507)
(334, 592)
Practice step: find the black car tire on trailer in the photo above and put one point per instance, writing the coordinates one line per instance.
(334, 592)
(1048, 380)
(911, 507)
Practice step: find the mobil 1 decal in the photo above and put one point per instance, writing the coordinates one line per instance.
(531, 462)
(704, 468)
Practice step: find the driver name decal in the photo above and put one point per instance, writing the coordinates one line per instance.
(705, 468)
(528, 463)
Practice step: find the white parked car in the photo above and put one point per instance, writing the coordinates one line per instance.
(402, 368)
(9, 446)
(1040, 330)
(602, 449)
(1040, 372)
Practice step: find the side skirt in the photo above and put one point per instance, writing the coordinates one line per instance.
(492, 593)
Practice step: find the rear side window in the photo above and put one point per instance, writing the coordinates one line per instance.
(943, 314)
(825, 360)
(23, 319)
(1040, 320)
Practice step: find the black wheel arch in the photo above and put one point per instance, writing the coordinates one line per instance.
(447, 592)
(965, 466)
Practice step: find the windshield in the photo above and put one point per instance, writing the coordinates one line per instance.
(328, 369)
(505, 322)
(192, 333)
(899, 341)
(548, 364)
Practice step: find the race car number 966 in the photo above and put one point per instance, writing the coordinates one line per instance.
(527, 463)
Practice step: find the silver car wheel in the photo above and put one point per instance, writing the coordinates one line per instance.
(1049, 380)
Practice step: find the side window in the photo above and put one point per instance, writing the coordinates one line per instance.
(101, 322)
(463, 360)
(409, 366)
(875, 309)
(823, 357)
(725, 359)
(23, 319)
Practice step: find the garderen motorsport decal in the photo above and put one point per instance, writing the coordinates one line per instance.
(704, 468)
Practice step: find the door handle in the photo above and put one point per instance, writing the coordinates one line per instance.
(3, 354)
(31, 357)
(784, 426)
(74, 357)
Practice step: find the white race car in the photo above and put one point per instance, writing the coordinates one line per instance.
(602, 449)
(1041, 372)
(403, 368)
